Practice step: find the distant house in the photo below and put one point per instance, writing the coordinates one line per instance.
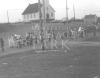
(90, 19)
(31, 13)
(75, 23)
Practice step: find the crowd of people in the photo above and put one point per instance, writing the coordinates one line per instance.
(35, 37)
(48, 36)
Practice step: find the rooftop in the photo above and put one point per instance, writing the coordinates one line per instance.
(32, 8)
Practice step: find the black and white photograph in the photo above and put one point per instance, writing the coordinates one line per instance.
(49, 38)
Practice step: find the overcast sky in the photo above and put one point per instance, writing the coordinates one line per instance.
(16, 7)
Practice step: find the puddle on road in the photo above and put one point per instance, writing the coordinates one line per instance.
(96, 77)
(5, 63)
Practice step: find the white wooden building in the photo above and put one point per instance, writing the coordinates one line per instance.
(31, 13)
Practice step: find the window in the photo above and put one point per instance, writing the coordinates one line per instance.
(31, 16)
(47, 16)
(27, 16)
(34, 15)
(51, 14)
(24, 16)
(47, 9)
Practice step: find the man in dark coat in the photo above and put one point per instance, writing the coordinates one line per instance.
(2, 44)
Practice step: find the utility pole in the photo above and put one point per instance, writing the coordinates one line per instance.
(67, 18)
(66, 11)
(7, 16)
(41, 25)
(44, 12)
(74, 11)
(40, 14)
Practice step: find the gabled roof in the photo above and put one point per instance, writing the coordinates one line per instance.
(32, 8)
(52, 8)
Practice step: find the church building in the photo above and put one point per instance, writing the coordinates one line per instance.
(31, 13)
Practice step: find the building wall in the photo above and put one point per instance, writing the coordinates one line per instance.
(90, 19)
(35, 16)
(47, 9)
(51, 13)
(29, 17)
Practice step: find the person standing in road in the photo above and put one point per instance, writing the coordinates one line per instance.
(2, 44)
